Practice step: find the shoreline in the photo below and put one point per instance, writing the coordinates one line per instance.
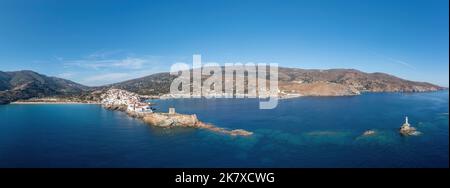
(294, 96)
(50, 102)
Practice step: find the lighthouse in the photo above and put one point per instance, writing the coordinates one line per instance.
(406, 121)
(407, 130)
(406, 124)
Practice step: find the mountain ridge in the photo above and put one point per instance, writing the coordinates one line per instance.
(26, 84)
(309, 82)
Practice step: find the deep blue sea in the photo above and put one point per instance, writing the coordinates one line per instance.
(301, 132)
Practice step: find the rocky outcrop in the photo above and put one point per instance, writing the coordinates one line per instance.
(183, 120)
(171, 120)
(407, 130)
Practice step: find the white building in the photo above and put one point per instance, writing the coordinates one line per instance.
(139, 107)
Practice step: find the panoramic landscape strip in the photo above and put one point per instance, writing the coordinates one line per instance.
(224, 92)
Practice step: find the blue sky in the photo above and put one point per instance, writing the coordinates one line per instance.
(100, 42)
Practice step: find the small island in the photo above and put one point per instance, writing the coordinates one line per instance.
(131, 103)
(407, 130)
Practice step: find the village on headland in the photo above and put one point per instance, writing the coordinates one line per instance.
(134, 106)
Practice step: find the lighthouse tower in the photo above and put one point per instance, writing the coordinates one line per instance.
(407, 130)
(406, 124)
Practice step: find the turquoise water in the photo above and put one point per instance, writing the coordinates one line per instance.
(303, 132)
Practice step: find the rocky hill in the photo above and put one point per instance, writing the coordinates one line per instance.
(28, 84)
(336, 82)
(305, 82)
(155, 84)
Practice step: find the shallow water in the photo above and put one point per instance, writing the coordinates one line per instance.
(302, 132)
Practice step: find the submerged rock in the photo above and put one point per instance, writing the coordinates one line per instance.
(236, 132)
(322, 133)
(369, 132)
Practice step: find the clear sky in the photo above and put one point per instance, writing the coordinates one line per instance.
(99, 42)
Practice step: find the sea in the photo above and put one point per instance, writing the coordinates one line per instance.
(305, 132)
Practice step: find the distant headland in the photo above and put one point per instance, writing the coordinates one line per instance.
(133, 105)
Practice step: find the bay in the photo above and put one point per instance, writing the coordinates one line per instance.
(300, 132)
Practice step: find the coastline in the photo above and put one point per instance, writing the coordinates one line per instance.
(297, 95)
(50, 102)
(279, 97)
